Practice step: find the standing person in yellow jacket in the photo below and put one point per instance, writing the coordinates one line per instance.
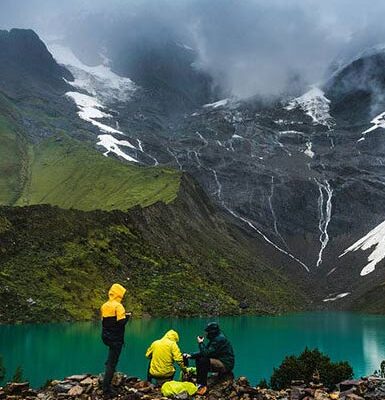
(163, 353)
(114, 319)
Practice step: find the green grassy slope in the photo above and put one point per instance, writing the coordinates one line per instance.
(69, 174)
(12, 154)
(372, 301)
(61, 170)
(58, 264)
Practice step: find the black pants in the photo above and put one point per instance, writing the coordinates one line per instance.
(161, 378)
(112, 360)
(203, 369)
(205, 365)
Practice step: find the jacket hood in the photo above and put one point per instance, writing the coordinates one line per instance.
(172, 335)
(116, 292)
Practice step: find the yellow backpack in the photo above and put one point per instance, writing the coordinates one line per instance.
(173, 388)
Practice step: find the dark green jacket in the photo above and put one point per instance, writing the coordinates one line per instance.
(218, 347)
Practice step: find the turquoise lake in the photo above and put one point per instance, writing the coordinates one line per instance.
(56, 350)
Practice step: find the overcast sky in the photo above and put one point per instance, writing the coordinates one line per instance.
(248, 46)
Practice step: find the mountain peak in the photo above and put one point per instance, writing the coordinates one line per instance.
(26, 65)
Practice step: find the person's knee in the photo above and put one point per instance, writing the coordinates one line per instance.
(218, 367)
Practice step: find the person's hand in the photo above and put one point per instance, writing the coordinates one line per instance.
(200, 339)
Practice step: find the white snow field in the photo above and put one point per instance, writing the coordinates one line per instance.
(102, 86)
(91, 109)
(98, 81)
(315, 104)
(112, 145)
(374, 240)
(377, 122)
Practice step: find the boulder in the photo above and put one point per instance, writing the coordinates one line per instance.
(243, 381)
(353, 396)
(87, 381)
(62, 387)
(357, 384)
(76, 391)
(16, 388)
(320, 394)
(76, 377)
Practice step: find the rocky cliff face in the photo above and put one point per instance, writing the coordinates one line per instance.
(304, 174)
(26, 67)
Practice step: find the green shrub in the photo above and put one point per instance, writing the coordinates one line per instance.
(304, 366)
(263, 384)
(18, 375)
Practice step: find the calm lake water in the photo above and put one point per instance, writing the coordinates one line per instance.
(57, 350)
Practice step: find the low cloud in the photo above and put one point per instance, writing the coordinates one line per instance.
(250, 47)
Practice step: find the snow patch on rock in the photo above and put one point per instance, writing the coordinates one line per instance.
(315, 104)
(374, 240)
(91, 109)
(336, 297)
(99, 81)
(220, 103)
(377, 122)
(308, 151)
(112, 145)
(97, 86)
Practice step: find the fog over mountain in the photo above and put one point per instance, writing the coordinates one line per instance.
(249, 47)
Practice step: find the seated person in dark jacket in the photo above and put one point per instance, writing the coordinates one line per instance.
(114, 318)
(216, 355)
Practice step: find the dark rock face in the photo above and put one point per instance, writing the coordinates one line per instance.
(303, 177)
(166, 72)
(26, 66)
(356, 91)
(30, 77)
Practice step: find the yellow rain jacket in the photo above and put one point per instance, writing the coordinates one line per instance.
(163, 353)
(113, 316)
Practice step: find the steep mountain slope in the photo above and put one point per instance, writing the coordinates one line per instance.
(177, 259)
(67, 173)
(182, 254)
(26, 68)
(12, 153)
(293, 172)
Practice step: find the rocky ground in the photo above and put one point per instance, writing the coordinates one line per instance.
(87, 387)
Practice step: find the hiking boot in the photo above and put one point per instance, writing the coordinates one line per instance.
(109, 393)
(201, 390)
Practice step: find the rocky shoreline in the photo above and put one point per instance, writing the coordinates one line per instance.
(87, 387)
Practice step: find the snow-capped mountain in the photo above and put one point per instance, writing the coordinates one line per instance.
(303, 175)
(292, 173)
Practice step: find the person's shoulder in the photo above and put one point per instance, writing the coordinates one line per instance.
(119, 306)
(105, 304)
(221, 338)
